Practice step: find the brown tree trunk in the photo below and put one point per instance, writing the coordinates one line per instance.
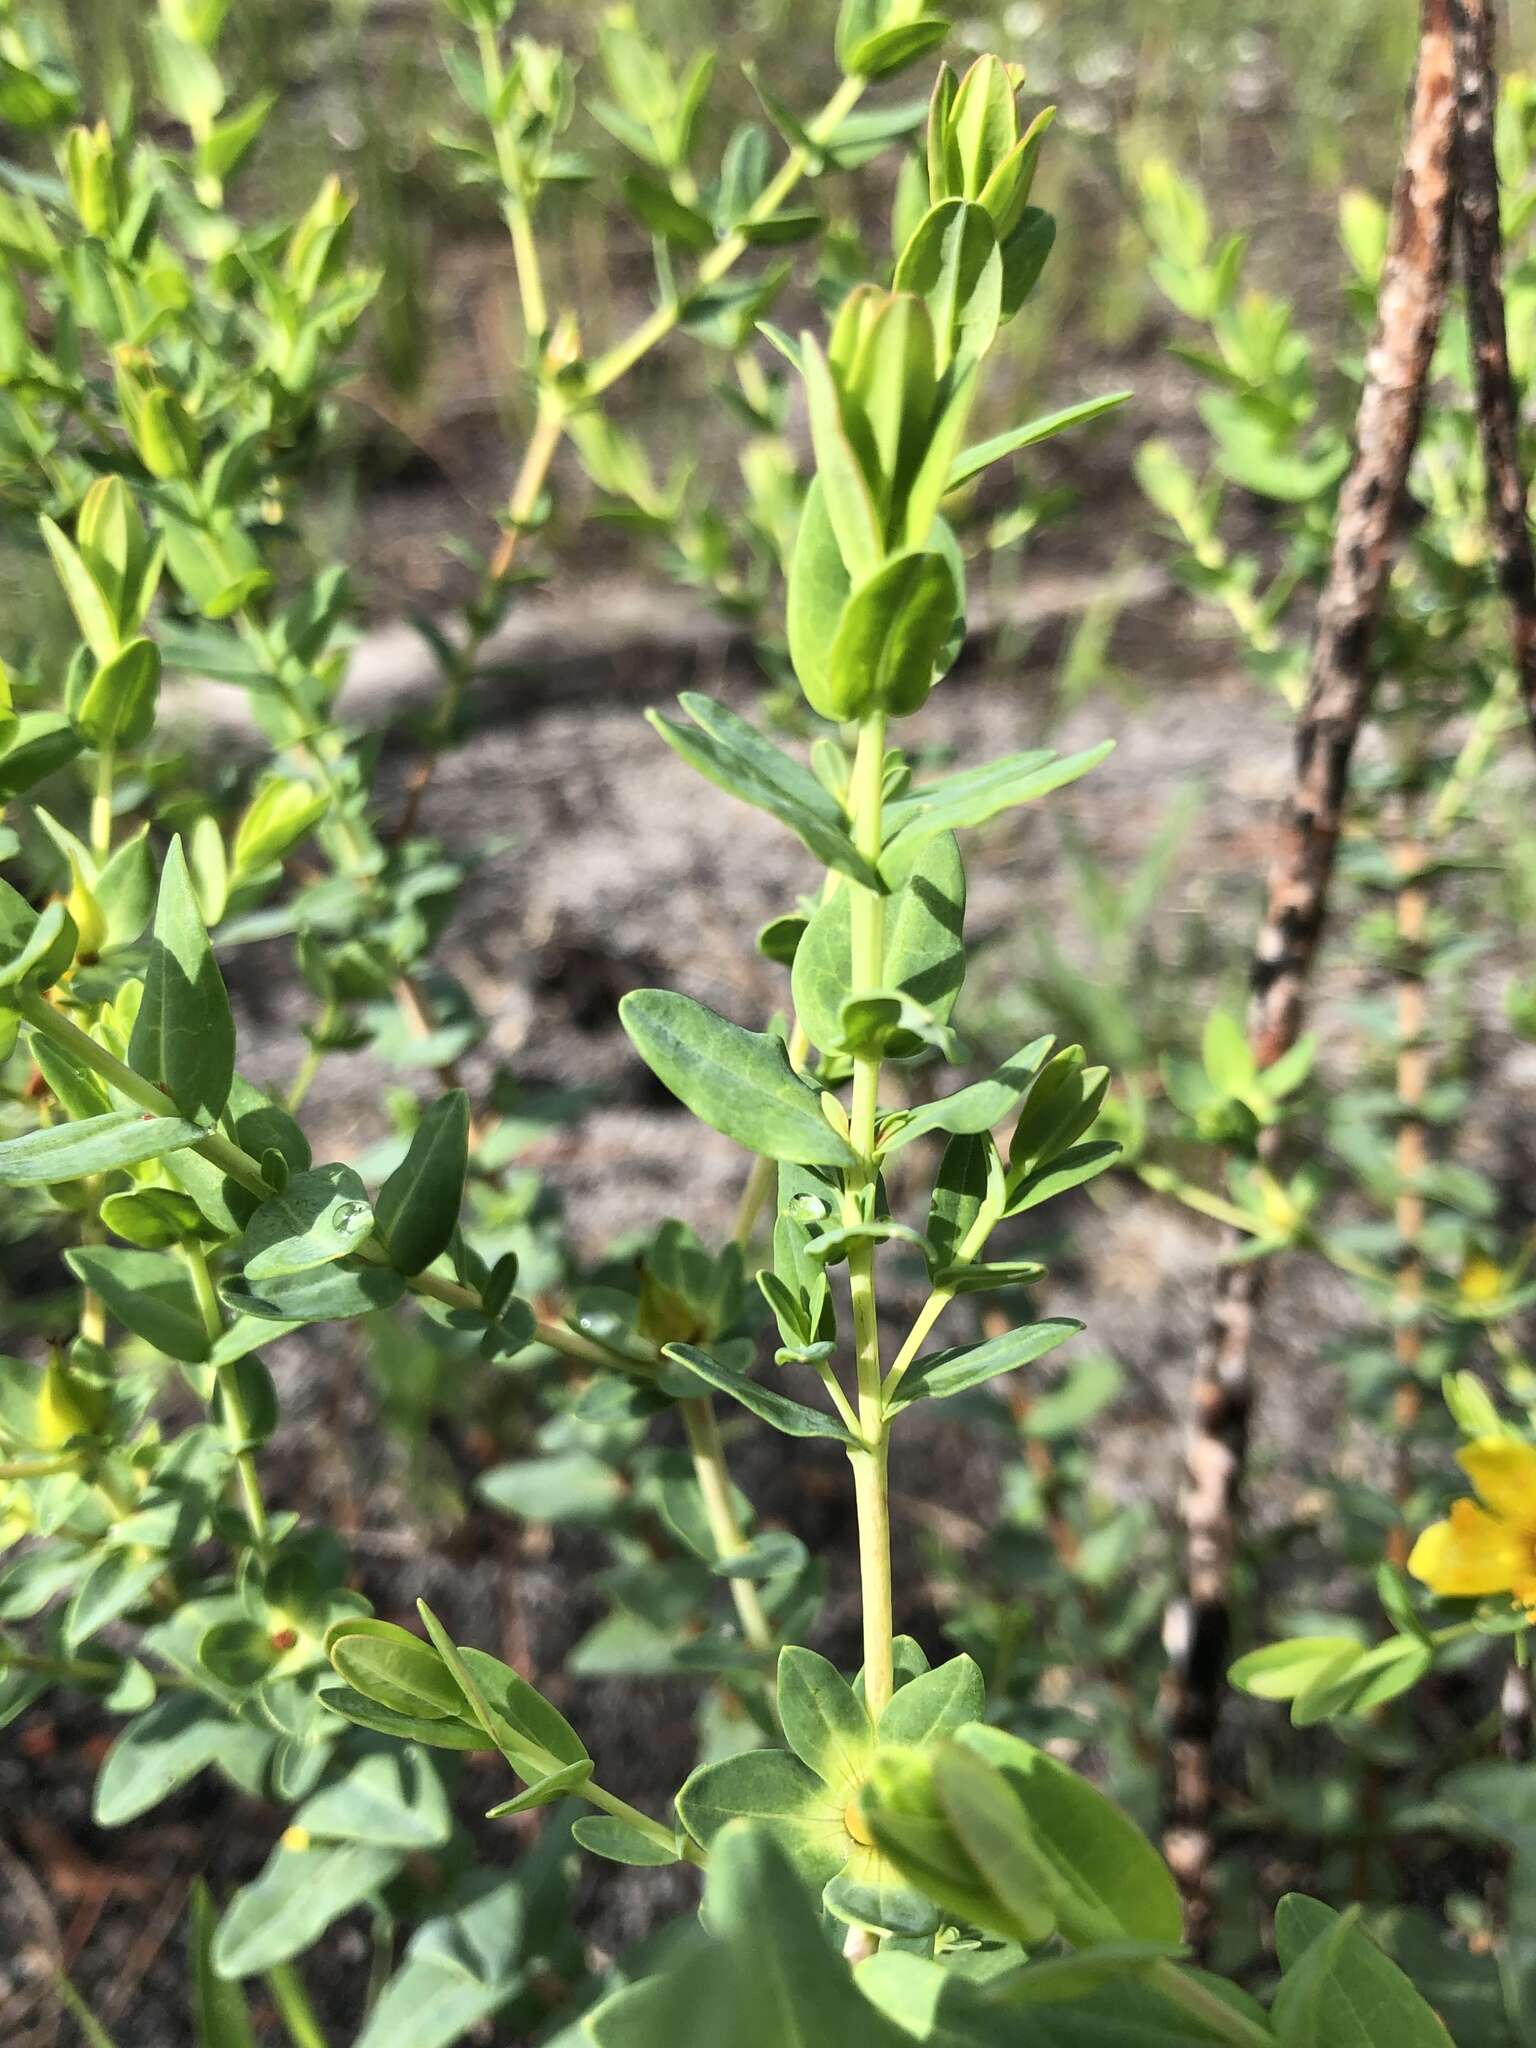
(1482, 257)
(1197, 1627)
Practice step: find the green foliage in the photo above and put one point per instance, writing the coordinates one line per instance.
(158, 450)
(741, 1082)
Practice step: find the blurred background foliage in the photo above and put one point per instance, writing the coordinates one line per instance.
(1272, 109)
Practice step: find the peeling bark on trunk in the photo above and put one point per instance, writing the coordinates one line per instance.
(1197, 1627)
(1482, 258)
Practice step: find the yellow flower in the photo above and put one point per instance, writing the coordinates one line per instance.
(1487, 1546)
(1482, 1279)
(1280, 1212)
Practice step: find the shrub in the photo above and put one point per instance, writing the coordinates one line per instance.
(165, 371)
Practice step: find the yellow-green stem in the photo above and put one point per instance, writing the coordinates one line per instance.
(623, 356)
(298, 2015)
(525, 249)
(241, 1167)
(308, 1068)
(236, 1421)
(93, 1310)
(970, 1247)
(101, 803)
(709, 1469)
(1198, 1199)
(651, 1829)
(548, 432)
(755, 387)
(871, 1494)
(840, 1401)
(93, 1316)
(530, 279)
(924, 1321)
(867, 916)
(533, 472)
(549, 429)
(37, 1468)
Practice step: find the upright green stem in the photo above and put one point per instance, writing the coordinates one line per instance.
(533, 473)
(871, 1494)
(530, 279)
(236, 1420)
(93, 1313)
(867, 911)
(623, 356)
(725, 1531)
(549, 429)
(101, 802)
(292, 2000)
(548, 432)
(525, 251)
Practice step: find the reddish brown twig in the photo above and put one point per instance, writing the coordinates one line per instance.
(1338, 695)
(1482, 258)
(1386, 430)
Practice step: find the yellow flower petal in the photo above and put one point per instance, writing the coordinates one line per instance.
(1482, 1279)
(1471, 1554)
(1504, 1472)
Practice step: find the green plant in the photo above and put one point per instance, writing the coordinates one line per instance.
(165, 379)
(1362, 1165)
(890, 1805)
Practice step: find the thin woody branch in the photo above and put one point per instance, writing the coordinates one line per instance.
(1340, 679)
(1482, 258)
